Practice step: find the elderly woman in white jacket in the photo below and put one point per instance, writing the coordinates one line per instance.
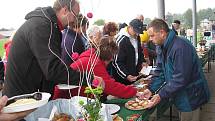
(94, 34)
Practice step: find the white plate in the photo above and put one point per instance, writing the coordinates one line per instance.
(146, 70)
(29, 106)
(112, 108)
(66, 86)
(141, 85)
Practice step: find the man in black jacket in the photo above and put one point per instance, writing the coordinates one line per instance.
(128, 62)
(34, 59)
(1, 74)
(175, 26)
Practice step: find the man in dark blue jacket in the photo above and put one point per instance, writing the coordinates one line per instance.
(181, 79)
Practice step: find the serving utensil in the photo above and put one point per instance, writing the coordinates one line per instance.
(36, 96)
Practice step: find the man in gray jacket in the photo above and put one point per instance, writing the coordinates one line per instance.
(34, 60)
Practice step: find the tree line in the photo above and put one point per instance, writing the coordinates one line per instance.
(185, 18)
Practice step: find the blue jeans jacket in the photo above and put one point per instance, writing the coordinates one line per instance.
(179, 67)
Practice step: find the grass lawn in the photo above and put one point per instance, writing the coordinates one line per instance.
(2, 41)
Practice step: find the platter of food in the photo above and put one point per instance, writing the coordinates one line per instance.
(133, 117)
(62, 117)
(136, 104)
(26, 102)
(116, 117)
(141, 87)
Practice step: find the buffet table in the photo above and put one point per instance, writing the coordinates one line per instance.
(144, 114)
(207, 56)
(204, 57)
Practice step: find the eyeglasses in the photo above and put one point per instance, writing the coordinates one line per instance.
(73, 12)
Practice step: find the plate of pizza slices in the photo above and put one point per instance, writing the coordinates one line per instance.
(136, 104)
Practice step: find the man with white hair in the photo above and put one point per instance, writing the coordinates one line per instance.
(140, 17)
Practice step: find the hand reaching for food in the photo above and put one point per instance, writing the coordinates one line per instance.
(154, 101)
(146, 94)
(131, 78)
(146, 64)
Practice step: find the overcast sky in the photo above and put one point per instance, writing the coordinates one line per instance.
(13, 11)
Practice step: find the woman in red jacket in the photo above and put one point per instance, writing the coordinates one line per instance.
(97, 59)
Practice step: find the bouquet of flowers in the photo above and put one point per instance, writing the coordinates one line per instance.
(93, 107)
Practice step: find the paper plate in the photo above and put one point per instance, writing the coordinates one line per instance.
(146, 70)
(66, 87)
(112, 108)
(27, 106)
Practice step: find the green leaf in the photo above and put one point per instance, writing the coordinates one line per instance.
(81, 102)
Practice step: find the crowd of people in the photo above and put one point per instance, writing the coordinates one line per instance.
(57, 45)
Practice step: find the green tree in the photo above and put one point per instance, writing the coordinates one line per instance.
(188, 18)
(179, 17)
(147, 20)
(206, 14)
(169, 18)
(99, 22)
(213, 17)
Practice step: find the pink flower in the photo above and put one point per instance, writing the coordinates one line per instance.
(90, 15)
(75, 56)
(96, 83)
(80, 120)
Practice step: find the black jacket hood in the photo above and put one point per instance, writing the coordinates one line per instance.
(43, 12)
